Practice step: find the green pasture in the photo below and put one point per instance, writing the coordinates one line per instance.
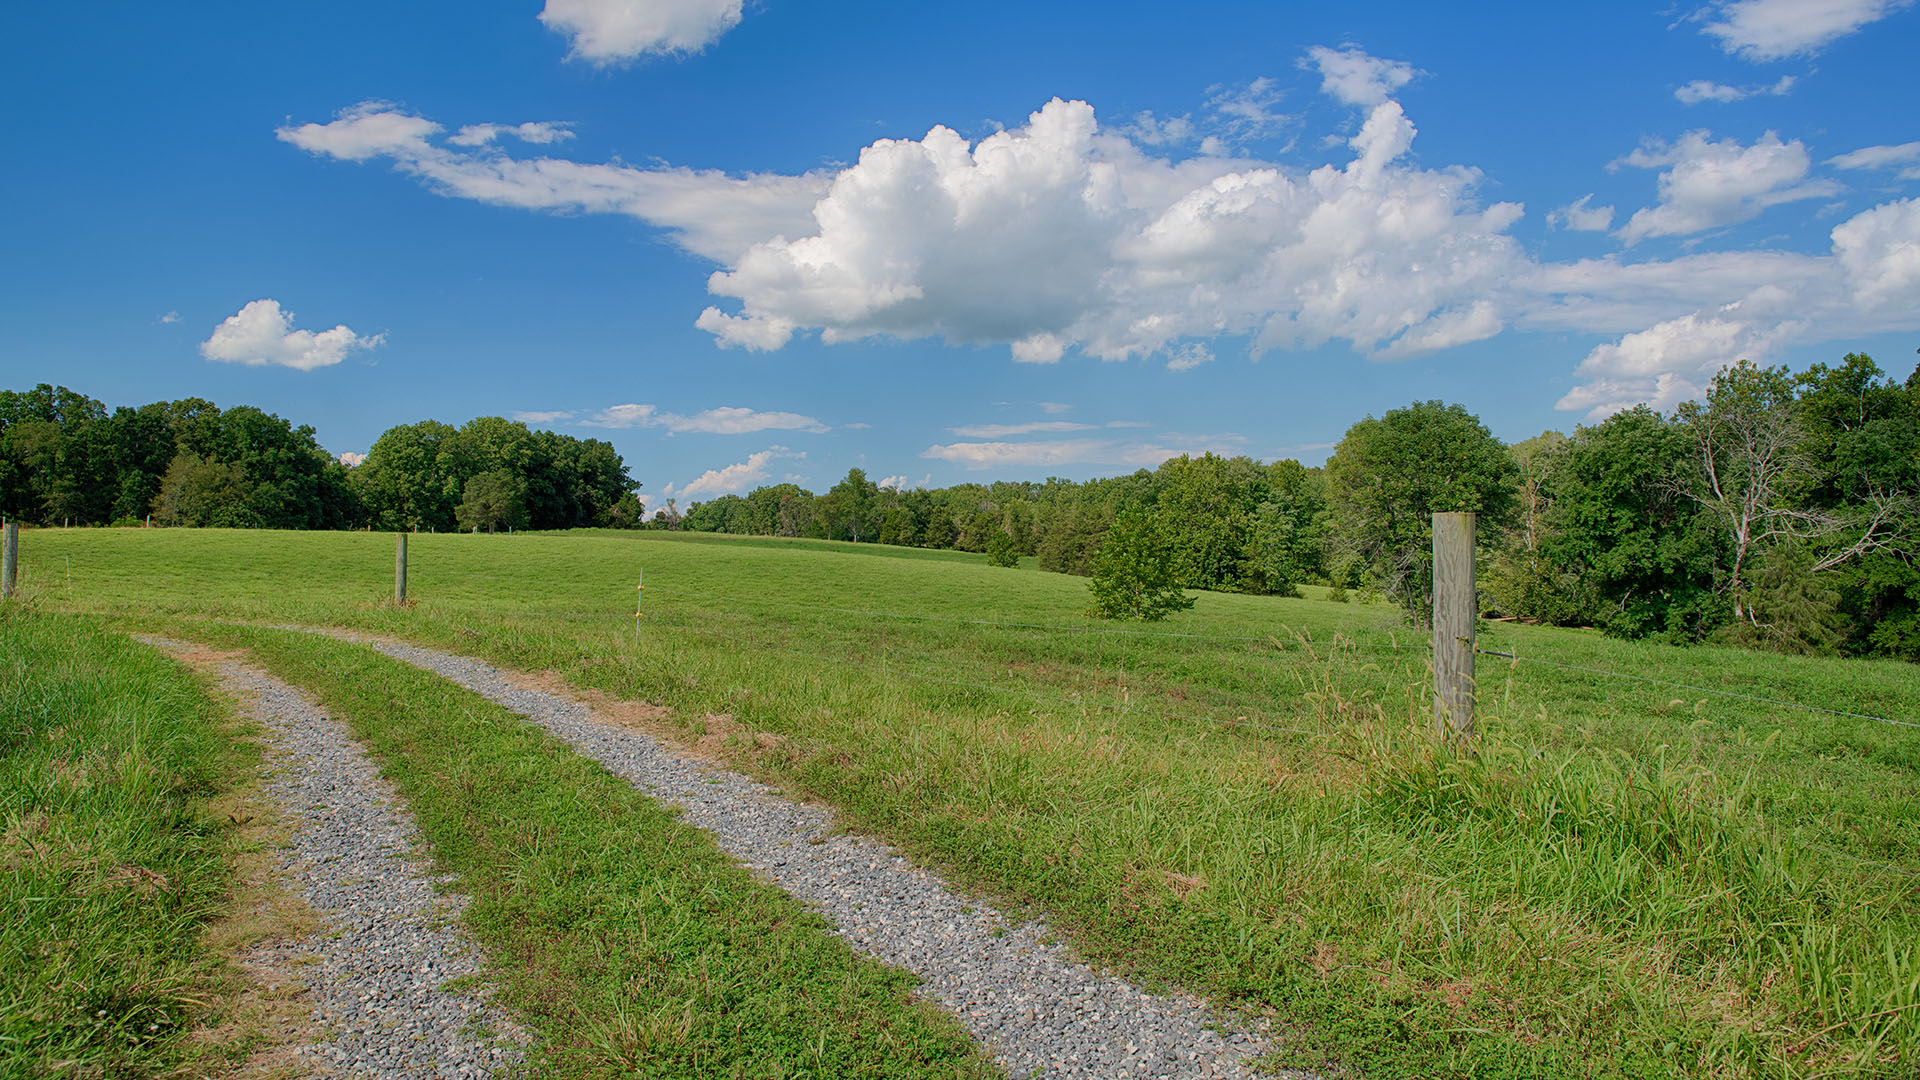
(1623, 878)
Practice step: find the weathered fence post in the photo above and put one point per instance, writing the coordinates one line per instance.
(400, 570)
(9, 559)
(1454, 616)
(639, 600)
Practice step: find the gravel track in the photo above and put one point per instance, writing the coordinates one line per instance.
(1039, 1011)
(392, 935)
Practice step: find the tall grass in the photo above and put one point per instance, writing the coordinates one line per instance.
(1622, 879)
(111, 860)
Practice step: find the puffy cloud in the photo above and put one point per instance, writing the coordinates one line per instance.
(1057, 235)
(612, 31)
(737, 478)
(1879, 252)
(262, 334)
(725, 420)
(351, 459)
(369, 129)
(1350, 75)
(1776, 29)
(897, 483)
(1580, 217)
(1709, 184)
(543, 416)
(1063, 236)
(1700, 90)
(1871, 283)
(710, 213)
(540, 133)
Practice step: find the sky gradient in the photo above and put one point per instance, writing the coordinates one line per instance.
(748, 244)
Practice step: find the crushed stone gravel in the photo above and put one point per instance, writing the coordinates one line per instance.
(1036, 1008)
(392, 939)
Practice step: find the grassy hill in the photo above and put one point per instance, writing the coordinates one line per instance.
(1624, 878)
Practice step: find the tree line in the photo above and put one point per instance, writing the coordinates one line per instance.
(65, 459)
(1781, 510)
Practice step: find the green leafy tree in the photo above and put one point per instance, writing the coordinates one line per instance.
(1390, 475)
(1643, 559)
(1135, 574)
(1003, 550)
(1519, 577)
(845, 512)
(201, 493)
(493, 499)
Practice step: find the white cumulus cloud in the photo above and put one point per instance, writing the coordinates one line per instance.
(1777, 29)
(612, 31)
(1057, 235)
(725, 420)
(1708, 184)
(1063, 236)
(262, 334)
(351, 458)
(1348, 74)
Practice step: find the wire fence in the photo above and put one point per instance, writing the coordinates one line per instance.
(1301, 639)
(1304, 639)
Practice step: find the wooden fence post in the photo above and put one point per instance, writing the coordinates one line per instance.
(1454, 616)
(9, 559)
(400, 570)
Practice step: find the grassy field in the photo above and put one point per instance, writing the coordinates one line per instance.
(1626, 879)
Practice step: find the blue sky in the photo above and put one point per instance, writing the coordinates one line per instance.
(755, 243)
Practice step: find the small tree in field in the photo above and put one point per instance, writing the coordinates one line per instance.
(1003, 550)
(1135, 574)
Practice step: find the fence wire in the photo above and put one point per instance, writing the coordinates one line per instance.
(1337, 642)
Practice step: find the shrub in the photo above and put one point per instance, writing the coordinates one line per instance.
(1134, 573)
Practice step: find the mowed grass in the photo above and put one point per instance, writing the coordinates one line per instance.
(625, 940)
(1626, 879)
(113, 855)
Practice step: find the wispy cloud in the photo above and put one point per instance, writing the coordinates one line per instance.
(725, 420)
(735, 479)
(1700, 90)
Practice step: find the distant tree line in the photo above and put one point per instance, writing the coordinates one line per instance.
(65, 459)
(1781, 511)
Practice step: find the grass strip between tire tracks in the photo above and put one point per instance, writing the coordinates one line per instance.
(625, 939)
